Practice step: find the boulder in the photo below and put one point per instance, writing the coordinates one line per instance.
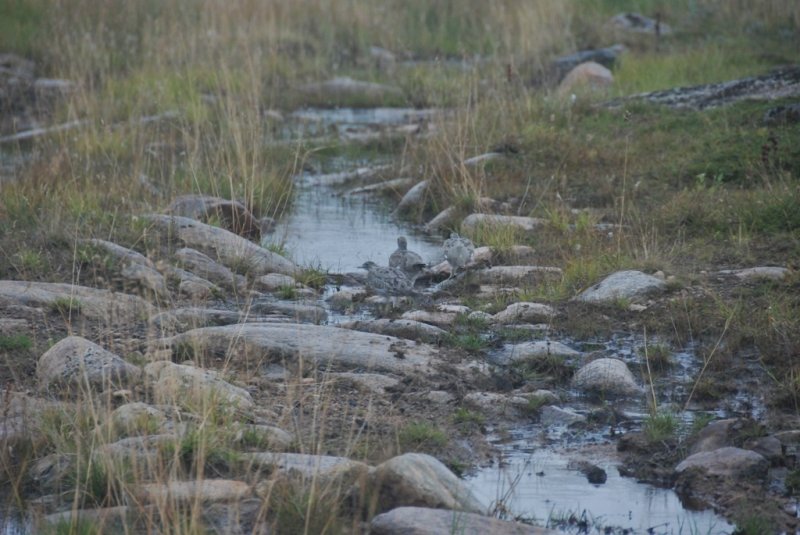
(442, 219)
(119, 253)
(623, 285)
(524, 312)
(75, 363)
(230, 248)
(317, 344)
(606, 377)
(418, 479)
(727, 462)
(589, 76)
(133, 418)
(193, 388)
(423, 521)
(100, 305)
(715, 435)
(273, 437)
(438, 318)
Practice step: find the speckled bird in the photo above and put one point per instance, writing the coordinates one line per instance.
(387, 281)
(458, 252)
(406, 261)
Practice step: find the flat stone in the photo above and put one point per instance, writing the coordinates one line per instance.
(623, 285)
(424, 521)
(318, 344)
(75, 363)
(498, 406)
(299, 312)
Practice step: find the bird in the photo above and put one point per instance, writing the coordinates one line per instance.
(388, 281)
(407, 261)
(458, 252)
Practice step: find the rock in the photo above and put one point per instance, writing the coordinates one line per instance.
(274, 281)
(345, 91)
(373, 382)
(194, 388)
(75, 363)
(524, 312)
(499, 406)
(231, 249)
(142, 452)
(420, 480)
(442, 219)
(762, 272)
(556, 416)
(516, 275)
(482, 159)
(231, 215)
(318, 344)
(424, 521)
(606, 377)
(606, 57)
(203, 266)
(638, 23)
(326, 470)
(103, 305)
(413, 199)
(474, 222)
(780, 83)
(146, 278)
(13, 326)
(536, 349)
(714, 435)
(188, 492)
(782, 115)
(622, 285)
(727, 462)
(589, 76)
(768, 447)
(401, 328)
(437, 317)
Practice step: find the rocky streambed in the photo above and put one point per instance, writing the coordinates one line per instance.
(201, 371)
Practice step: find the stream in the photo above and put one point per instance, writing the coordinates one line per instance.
(532, 478)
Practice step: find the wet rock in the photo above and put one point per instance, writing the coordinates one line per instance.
(777, 84)
(423, 520)
(474, 222)
(324, 469)
(146, 278)
(231, 215)
(373, 382)
(727, 462)
(515, 275)
(638, 23)
(589, 76)
(761, 272)
(401, 328)
(782, 115)
(413, 199)
(524, 312)
(188, 492)
(101, 305)
(556, 416)
(622, 285)
(274, 281)
(318, 344)
(75, 363)
(193, 388)
(606, 377)
(230, 248)
(344, 91)
(536, 349)
(606, 57)
(203, 266)
(420, 480)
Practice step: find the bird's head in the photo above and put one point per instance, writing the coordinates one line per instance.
(402, 243)
(369, 264)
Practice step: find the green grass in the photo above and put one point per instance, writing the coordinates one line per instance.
(660, 427)
(464, 416)
(15, 342)
(421, 436)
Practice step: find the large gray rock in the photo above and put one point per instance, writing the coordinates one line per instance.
(193, 388)
(421, 480)
(231, 249)
(75, 363)
(424, 521)
(401, 328)
(203, 266)
(536, 349)
(318, 344)
(475, 221)
(525, 312)
(727, 462)
(100, 305)
(606, 377)
(623, 285)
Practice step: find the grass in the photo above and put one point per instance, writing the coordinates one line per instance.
(15, 342)
(660, 427)
(421, 436)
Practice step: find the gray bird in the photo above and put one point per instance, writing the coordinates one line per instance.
(458, 252)
(406, 261)
(387, 281)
